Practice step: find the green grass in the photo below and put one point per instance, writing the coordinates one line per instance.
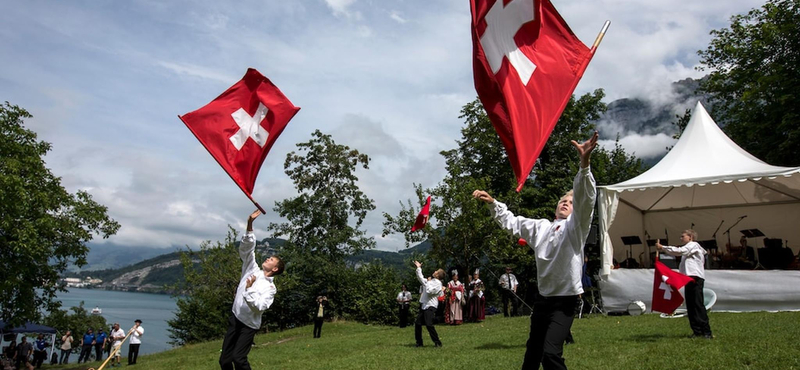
(743, 341)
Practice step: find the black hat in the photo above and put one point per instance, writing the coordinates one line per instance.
(137, 320)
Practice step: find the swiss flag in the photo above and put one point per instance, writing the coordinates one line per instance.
(239, 127)
(526, 64)
(422, 217)
(666, 297)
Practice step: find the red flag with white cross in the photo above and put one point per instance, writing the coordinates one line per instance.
(422, 217)
(240, 126)
(527, 62)
(666, 283)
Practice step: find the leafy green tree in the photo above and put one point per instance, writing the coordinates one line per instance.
(205, 297)
(324, 220)
(754, 79)
(43, 227)
(78, 322)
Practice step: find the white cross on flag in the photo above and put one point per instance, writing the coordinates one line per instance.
(666, 283)
(239, 127)
(526, 63)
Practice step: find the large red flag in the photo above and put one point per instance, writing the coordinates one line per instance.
(239, 127)
(527, 63)
(422, 217)
(666, 297)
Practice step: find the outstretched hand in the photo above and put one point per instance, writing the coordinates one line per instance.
(482, 195)
(658, 244)
(418, 264)
(585, 149)
(252, 218)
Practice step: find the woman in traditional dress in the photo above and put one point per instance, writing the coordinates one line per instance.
(476, 300)
(455, 298)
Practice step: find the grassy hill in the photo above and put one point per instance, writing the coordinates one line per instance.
(743, 341)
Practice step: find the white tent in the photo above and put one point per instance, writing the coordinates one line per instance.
(708, 183)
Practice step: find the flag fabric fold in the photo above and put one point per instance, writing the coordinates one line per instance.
(239, 127)
(422, 217)
(526, 62)
(666, 285)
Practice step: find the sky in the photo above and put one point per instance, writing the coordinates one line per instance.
(105, 82)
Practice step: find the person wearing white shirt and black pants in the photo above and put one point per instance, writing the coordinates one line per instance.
(136, 340)
(558, 246)
(403, 300)
(509, 284)
(254, 295)
(428, 302)
(692, 265)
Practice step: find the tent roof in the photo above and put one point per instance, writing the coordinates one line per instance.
(27, 328)
(706, 168)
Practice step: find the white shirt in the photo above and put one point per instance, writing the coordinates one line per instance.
(694, 257)
(558, 244)
(473, 288)
(404, 297)
(136, 336)
(505, 279)
(430, 290)
(250, 303)
(118, 333)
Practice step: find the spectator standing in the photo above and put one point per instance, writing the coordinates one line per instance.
(99, 344)
(66, 347)
(404, 301)
(86, 346)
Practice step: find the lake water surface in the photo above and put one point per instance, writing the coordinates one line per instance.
(124, 307)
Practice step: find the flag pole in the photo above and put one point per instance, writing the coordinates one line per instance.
(601, 35)
(263, 212)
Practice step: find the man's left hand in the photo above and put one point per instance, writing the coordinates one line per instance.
(250, 281)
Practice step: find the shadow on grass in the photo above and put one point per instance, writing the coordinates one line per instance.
(649, 337)
(499, 346)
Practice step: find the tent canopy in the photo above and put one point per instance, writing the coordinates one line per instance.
(27, 328)
(705, 180)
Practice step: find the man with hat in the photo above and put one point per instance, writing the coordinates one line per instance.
(99, 343)
(87, 342)
(136, 340)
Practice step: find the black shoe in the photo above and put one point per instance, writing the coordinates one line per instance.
(708, 336)
(418, 345)
(438, 344)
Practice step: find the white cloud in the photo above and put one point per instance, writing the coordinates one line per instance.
(397, 17)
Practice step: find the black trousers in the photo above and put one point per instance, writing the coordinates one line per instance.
(38, 358)
(133, 353)
(236, 345)
(425, 317)
(508, 297)
(696, 308)
(550, 323)
(403, 315)
(317, 327)
(86, 352)
(64, 356)
(98, 352)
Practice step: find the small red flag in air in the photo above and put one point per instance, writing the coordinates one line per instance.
(422, 217)
(666, 283)
(526, 62)
(240, 126)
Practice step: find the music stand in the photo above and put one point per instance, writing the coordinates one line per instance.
(630, 241)
(754, 233)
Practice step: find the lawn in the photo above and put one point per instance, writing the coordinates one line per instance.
(757, 340)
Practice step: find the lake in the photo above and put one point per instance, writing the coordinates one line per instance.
(124, 307)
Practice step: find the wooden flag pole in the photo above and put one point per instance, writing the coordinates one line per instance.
(263, 212)
(601, 35)
(114, 353)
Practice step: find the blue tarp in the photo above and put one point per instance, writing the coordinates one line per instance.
(27, 328)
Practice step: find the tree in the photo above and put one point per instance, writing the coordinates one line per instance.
(754, 78)
(78, 322)
(43, 227)
(205, 297)
(324, 224)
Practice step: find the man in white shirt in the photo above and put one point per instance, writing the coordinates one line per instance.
(558, 246)
(136, 340)
(254, 295)
(404, 300)
(692, 265)
(509, 284)
(117, 336)
(428, 301)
